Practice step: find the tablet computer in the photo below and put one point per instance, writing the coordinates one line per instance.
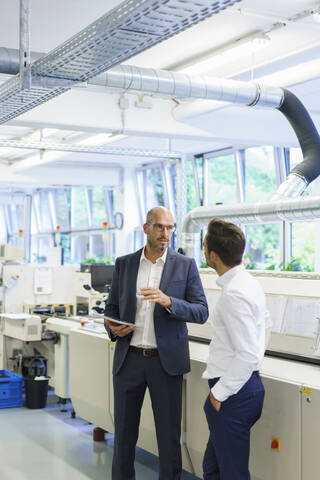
(120, 322)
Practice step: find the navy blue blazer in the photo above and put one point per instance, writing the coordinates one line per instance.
(180, 281)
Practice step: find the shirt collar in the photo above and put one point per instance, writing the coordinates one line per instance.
(227, 276)
(160, 259)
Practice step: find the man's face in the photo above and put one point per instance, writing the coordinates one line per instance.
(159, 231)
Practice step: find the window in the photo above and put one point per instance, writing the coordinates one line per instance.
(98, 206)
(194, 183)
(97, 246)
(139, 238)
(44, 212)
(250, 175)
(79, 211)
(65, 243)
(222, 180)
(79, 247)
(262, 246)
(62, 201)
(39, 248)
(303, 245)
(260, 179)
(150, 187)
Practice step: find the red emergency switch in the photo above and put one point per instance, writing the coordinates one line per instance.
(276, 444)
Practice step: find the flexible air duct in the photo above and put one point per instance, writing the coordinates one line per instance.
(309, 169)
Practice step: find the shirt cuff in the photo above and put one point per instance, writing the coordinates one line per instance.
(220, 392)
(169, 309)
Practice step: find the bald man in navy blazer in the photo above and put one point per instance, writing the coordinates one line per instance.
(157, 290)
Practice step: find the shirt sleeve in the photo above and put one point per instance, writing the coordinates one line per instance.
(240, 318)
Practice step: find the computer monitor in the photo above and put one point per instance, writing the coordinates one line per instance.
(101, 275)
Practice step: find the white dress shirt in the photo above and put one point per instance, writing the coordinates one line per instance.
(149, 275)
(239, 322)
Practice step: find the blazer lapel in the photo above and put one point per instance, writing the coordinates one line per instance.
(167, 270)
(132, 283)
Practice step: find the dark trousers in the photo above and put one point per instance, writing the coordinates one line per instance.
(227, 453)
(136, 374)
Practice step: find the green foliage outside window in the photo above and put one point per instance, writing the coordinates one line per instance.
(191, 189)
(260, 176)
(303, 242)
(99, 259)
(222, 180)
(262, 245)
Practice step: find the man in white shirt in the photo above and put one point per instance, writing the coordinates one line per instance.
(158, 291)
(235, 356)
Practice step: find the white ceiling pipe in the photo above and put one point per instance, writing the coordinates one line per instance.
(288, 77)
(148, 80)
(302, 208)
(9, 60)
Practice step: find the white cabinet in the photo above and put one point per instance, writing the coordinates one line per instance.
(281, 419)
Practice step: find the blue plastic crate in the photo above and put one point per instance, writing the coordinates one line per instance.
(10, 389)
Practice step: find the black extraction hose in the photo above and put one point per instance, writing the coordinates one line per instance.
(307, 134)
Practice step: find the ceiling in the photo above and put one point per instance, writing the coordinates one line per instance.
(289, 58)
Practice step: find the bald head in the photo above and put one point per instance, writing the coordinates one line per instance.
(158, 228)
(157, 212)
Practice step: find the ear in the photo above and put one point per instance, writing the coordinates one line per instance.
(145, 227)
(214, 256)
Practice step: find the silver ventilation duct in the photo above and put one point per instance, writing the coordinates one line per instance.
(303, 208)
(9, 60)
(284, 205)
(149, 80)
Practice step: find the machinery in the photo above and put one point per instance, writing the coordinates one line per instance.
(37, 305)
(10, 253)
(284, 441)
(23, 326)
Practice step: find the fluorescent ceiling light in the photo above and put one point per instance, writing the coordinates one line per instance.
(300, 73)
(102, 139)
(45, 157)
(227, 54)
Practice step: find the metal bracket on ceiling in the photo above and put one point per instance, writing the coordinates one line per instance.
(25, 63)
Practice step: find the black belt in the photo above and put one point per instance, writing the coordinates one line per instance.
(146, 352)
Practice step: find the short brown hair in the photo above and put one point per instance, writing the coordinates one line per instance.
(227, 240)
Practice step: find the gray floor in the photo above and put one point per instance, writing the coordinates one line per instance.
(48, 444)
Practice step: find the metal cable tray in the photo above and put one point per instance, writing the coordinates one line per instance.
(125, 31)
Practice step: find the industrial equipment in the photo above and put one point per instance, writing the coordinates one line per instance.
(10, 253)
(22, 326)
(284, 441)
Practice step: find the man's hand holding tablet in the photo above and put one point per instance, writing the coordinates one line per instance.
(120, 328)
